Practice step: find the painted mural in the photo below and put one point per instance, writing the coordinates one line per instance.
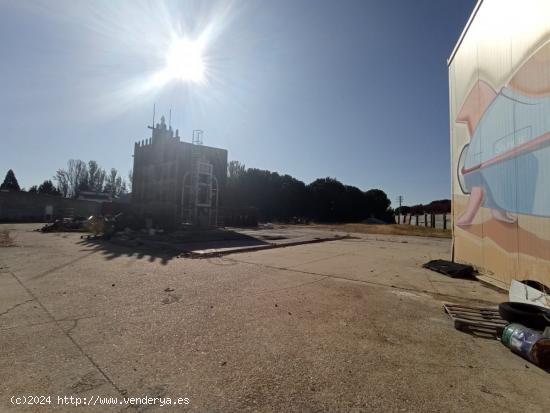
(507, 160)
(500, 141)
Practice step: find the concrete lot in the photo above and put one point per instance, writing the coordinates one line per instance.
(348, 325)
(204, 244)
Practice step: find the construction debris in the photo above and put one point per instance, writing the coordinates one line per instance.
(482, 321)
(451, 269)
(533, 316)
(65, 225)
(97, 225)
(528, 343)
(529, 292)
(491, 322)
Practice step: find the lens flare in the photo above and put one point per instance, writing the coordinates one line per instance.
(184, 61)
(126, 65)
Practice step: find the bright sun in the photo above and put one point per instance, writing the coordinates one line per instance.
(184, 61)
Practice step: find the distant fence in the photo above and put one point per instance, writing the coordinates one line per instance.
(442, 221)
(239, 217)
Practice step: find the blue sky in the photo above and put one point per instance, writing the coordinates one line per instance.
(355, 90)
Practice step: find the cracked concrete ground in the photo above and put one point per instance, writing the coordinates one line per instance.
(348, 325)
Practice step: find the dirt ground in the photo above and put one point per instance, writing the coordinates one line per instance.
(391, 229)
(346, 325)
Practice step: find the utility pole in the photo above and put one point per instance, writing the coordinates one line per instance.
(400, 201)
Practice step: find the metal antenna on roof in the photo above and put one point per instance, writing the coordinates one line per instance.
(197, 136)
(154, 107)
(170, 119)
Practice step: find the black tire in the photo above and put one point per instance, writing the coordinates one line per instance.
(529, 315)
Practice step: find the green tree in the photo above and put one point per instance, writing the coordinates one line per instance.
(10, 182)
(114, 184)
(47, 187)
(72, 180)
(96, 177)
(377, 203)
(62, 179)
(235, 169)
(282, 197)
(130, 180)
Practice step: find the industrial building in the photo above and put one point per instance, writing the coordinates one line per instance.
(499, 82)
(176, 182)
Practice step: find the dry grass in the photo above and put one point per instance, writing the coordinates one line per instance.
(5, 239)
(391, 229)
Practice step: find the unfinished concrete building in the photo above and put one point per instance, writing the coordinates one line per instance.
(176, 182)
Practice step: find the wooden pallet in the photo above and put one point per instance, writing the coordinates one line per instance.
(482, 321)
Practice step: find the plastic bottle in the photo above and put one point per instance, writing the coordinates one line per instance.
(520, 340)
(541, 353)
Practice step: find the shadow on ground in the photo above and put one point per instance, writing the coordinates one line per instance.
(110, 251)
(165, 247)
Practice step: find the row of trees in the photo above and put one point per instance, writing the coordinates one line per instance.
(46, 187)
(282, 197)
(77, 177)
(275, 196)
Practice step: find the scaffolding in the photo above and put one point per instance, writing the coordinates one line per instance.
(199, 196)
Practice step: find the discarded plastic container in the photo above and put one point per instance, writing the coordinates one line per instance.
(520, 340)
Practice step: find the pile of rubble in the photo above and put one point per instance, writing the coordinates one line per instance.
(65, 225)
(97, 225)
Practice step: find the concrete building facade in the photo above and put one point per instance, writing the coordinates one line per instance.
(176, 182)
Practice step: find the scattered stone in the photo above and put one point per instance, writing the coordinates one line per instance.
(172, 298)
(112, 285)
(223, 363)
(168, 289)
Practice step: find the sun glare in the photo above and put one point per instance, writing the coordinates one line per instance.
(184, 61)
